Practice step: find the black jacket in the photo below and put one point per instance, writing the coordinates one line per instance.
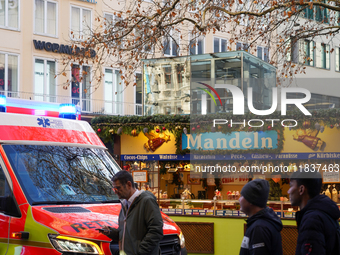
(316, 231)
(140, 232)
(263, 235)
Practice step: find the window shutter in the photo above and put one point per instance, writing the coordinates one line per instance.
(288, 50)
(327, 53)
(318, 62)
(311, 53)
(301, 51)
(337, 59)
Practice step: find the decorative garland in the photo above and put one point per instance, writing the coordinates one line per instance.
(107, 126)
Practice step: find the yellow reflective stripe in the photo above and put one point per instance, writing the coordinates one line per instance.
(30, 243)
(38, 231)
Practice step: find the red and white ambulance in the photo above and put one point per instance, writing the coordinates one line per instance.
(55, 187)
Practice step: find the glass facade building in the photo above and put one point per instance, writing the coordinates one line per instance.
(181, 85)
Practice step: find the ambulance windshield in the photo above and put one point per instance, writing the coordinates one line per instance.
(63, 174)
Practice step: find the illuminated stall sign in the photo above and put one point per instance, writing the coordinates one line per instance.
(232, 141)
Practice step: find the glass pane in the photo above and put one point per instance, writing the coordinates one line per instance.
(51, 82)
(238, 46)
(139, 86)
(39, 16)
(266, 55)
(39, 79)
(75, 84)
(86, 19)
(13, 10)
(12, 73)
(167, 75)
(86, 81)
(167, 46)
(2, 73)
(75, 22)
(2, 12)
(118, 93)
(108, 85)
(259, 52)
(174, 48)
(200, 46)
(192, 47)
(323, 56)
(51, 18)
(223, 45)
(109, 18)
(59, 173)
(108, 89)
(227, 71)
(216, 45)
(86, 88)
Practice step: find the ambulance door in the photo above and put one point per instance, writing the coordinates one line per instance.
(4, 219)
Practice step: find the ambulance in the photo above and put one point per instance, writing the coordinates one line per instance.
(55, 188)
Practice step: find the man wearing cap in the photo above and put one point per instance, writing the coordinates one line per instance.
(263, 235)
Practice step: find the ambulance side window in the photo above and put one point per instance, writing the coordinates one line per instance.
(7, 202)
(3, 183)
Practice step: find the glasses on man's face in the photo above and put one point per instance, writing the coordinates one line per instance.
(116, 188)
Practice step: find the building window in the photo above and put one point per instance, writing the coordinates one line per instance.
(109, 19)
(167, 77)
(138, 94)
(46, 17)
(242, 46)
(220, 45)
(9, 74)
(317, 13)
(80, 23)
(143, 38)
(81, 87)
(263, 53)
(9, 13)
(197, 46)
(44, 80)
(322, 55)
(309, 53)
(113, 89)
(337, 59)
(171, 43)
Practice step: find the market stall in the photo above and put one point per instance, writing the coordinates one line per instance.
(164, 153)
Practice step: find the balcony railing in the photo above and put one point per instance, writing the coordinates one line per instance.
(87, 105)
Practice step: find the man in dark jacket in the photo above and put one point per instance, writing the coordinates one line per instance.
(315, 220)
(140, 221)
(263, 235)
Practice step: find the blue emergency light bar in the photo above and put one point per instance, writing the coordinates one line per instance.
(68, 111)
(2, 103)
(32, 107)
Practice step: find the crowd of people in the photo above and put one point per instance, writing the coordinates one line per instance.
(141, 225)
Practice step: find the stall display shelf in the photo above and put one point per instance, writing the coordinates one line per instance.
(227, 208)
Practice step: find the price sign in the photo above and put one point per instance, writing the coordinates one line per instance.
(140, 176)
